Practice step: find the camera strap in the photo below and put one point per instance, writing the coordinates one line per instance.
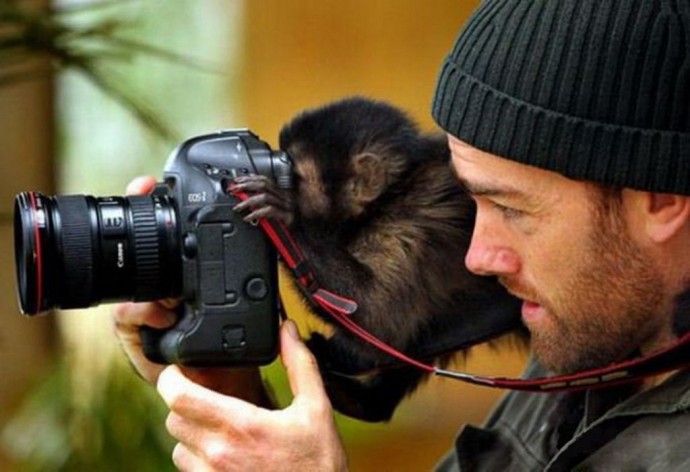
(291, 254)
(340, 308)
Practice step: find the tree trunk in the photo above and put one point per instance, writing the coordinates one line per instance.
(26, 163)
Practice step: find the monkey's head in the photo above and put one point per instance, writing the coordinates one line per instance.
(348, 154)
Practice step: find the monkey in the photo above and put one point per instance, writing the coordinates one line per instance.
(382, 220)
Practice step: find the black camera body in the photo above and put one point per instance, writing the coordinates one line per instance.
(184, 240)
(230, 298)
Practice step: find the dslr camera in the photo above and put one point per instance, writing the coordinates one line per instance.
(183, 240)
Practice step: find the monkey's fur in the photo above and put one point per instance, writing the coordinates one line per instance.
(381, 219)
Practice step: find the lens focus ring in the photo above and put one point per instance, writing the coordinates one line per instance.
(146, 247)
(77, 250)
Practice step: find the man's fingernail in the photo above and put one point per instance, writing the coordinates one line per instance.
(292, 329)
(138, 184)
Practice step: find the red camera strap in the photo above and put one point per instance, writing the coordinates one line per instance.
(663, 360)
(281, 238)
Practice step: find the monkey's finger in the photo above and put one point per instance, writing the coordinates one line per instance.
(259, 186)
(275, 196)
(253, 183)
(269, 212)
(252, 178)
(261, 200)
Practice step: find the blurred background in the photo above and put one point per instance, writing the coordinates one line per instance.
(93, 93)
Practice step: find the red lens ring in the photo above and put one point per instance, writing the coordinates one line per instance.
(37, 254)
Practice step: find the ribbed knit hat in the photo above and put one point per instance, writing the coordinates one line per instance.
(596, 90)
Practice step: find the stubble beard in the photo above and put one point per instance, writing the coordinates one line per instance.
(610, 306)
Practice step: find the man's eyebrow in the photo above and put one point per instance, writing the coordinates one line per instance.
(487, 189)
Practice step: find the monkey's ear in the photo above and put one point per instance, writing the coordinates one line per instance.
(370, 178)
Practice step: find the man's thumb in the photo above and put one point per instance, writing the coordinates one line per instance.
(302, 369)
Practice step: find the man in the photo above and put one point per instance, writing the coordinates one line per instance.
(569, 124)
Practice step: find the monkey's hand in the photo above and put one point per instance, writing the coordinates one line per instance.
(265, 200)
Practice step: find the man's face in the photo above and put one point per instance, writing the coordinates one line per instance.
(591, 294)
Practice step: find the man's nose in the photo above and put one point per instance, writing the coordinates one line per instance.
(488, 255)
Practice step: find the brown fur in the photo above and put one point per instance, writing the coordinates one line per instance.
(381, 220)
(312, 196)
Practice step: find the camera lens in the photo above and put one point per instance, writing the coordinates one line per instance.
(76, 251)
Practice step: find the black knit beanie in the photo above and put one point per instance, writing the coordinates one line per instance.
(596, 90)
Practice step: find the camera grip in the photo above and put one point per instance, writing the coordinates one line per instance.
(161, 345)
(216, 338)
(150, 343)
(179, 344)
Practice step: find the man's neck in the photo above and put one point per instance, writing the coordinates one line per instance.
(677, 326)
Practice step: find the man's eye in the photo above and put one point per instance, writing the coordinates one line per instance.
(507, 212)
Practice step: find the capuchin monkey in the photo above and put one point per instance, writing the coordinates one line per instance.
(381, 219)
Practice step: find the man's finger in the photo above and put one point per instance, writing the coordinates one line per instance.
(302, 369)
(130, 316)
(141, 185)
(186, 459)
(195, 402)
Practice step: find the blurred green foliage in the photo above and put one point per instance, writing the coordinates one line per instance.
(68, 42)
(124, 97)
(101, 144)
(118, 427)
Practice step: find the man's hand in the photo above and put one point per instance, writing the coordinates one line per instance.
(218, 432)
(130, 317)
(213, 411)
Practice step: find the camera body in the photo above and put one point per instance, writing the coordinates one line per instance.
(184, 241)
(229, 314)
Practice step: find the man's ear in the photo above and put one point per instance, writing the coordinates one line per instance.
(665, 215)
